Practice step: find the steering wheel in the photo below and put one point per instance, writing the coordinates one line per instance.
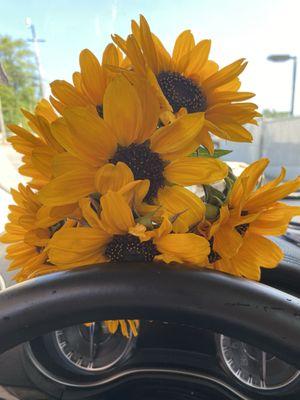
(249, 311)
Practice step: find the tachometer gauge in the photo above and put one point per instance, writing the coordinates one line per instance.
(253, 367)
(89, 349)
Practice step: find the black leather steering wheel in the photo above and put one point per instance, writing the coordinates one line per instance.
(252, 312)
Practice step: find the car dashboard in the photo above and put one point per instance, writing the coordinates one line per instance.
(166, 360)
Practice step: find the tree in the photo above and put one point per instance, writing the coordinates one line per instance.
(275, 114)
(18, 63)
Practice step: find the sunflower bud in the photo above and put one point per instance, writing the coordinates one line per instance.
(212, 212)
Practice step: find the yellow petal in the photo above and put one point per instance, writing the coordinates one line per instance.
(116, 215)
(163, 57)
(91, 132)
(24, 134)
(47, 216)
(164, 228)
(267, 198)
(77, 81)
(123, 111)
(66, 162)
(150, 107)
(136, 31)
(42, 157)
(133, 324)
(233, 85)
(45, 109)
(112, 326)
(59, 107)
(64, 248)
(68, 188)
(134, 53)
(183, 247)
(37, 237)
(239, 113)
(184, 43)
(124, 328)
(223, 218)
(89, 214)
(113, 177)
(110, 55)
(266, 253)
(44, 131)
(209, 69)
(227, 241)
(224, 75)
(252, 173)
(195, 171)
(139, 231)
(275, 182)
(245, 267)
(92, 76)
(274, 221)
(228, 130)
(173, 138)
(135, 192)
(66, 138)
(205, 139)
(67, 94)
(198, 57)
(227, 97)
(178, 200)
(227, 266)
(148, 45)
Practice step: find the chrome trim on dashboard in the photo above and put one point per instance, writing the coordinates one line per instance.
(134, 371)
(270, 389)
(121, 356)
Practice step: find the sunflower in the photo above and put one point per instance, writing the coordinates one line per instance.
(38, 148)
(188, 82)
(90, 83)
(126, 326)
(105, 154)
(115, 235)
(28, 231)
(238, 245)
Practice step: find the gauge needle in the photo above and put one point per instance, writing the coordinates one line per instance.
(92, 333)
(264, 367)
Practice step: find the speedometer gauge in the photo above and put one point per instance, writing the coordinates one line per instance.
(253, 367)
(89, 349)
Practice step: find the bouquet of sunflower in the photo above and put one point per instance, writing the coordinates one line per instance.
(109, 159)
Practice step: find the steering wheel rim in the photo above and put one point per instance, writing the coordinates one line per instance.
(249, 311)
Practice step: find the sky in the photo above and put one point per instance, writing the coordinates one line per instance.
(238, 28)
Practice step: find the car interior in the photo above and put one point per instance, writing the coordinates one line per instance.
(239, 344)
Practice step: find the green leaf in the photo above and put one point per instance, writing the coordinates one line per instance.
(203, 152)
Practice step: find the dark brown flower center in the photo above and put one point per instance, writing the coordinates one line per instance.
(129, 248)
(182, 92)
(213, 255)
(242, 229)
(144, 164)
(99, 109)
(56, 227)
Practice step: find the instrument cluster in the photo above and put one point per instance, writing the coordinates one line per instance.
(88, 356)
